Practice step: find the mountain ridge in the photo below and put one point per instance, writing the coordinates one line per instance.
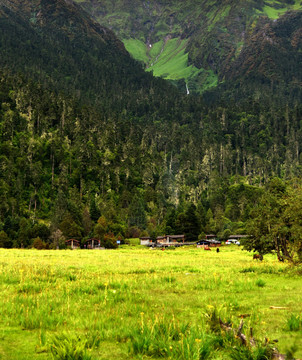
(214, 34)
(54, 42)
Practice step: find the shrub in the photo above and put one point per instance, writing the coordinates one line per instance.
(109, 241)
(260, 283)
(247, 270)
(5, 241)
(39, 244)
(134, 232)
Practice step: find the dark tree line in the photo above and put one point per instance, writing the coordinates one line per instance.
(63, 166)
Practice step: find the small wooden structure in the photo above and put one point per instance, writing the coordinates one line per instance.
(170, 240)
(161, 240)
(203, 243)
(146, 240)
(73, 243)
(175, 238)
(92, 243)
(164, 241)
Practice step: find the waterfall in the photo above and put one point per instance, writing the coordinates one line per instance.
(188, 92)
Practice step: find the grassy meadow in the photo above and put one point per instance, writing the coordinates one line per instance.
(169, 59)
(136, 303)
(274, 9)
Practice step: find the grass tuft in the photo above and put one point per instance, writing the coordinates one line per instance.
(260, 283)
(294, 323)
(67, 346)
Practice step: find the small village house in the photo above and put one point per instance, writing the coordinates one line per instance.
(161, 240)
(92, 243)
(203, 243)
(170, 240)
(146, 240)
(73, 243)
(175, 238)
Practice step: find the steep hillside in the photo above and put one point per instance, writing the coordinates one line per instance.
(85, 132)
(54, 42)
(202, 42)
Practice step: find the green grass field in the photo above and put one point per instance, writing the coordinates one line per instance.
(274, 9)
(169, 60)
(135, 303)
(166, 59)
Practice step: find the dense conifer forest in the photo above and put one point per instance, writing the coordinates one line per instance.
(91, 145)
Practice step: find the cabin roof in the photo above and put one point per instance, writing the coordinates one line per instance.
(92, 239)
(70, 240)
(203, 241)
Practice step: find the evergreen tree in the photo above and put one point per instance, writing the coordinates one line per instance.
(5, 241)
(94, 211)
(191, 224)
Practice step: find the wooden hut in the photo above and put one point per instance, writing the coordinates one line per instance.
(92, 243)
(146, 240)
(170, 240)
(175, 238)
(161, 240)
(203, 243)
(73, 243)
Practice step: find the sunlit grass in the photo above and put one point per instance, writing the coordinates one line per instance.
(274, 9)
(137, 49)
(166, 59)
(98, 301)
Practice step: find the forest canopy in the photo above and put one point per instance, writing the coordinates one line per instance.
(93, 146)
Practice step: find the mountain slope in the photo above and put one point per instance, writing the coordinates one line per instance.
(85, 131)
(202, 42)
(55, 42)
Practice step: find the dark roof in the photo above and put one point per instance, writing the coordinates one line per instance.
(176, 236)
(74, 240)
(203, 241)
(145, 238)
(94, 239)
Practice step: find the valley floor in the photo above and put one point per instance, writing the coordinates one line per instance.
(135, 303)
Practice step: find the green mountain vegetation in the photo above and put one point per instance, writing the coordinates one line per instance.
(205, 43)
(92, 145)
(56, 44)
